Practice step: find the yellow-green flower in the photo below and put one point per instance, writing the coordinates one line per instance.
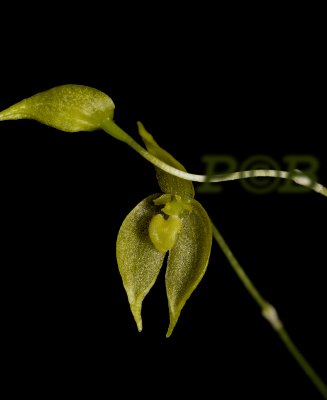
(171, 221)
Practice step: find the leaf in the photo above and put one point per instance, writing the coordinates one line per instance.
(167, 182)
(188, 260)
(139, 262)
(69, 108)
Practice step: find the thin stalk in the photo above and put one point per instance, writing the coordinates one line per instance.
(298, 177)
(270, 314)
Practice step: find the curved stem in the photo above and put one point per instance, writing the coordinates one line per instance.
(270, 314)
(298, 177)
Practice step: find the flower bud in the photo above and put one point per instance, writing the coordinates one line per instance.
(69, 108)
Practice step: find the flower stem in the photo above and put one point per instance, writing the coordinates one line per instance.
(269, 312)
(298, 177)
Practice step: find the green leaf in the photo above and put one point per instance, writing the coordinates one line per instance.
(167, 182)
(188, 260)
(139, 262)
(69, 108)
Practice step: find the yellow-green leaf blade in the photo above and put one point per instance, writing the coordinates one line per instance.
(167, 182)
(188, 260)
(139, 262)
(69, 108)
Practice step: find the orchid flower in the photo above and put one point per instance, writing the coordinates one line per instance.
(170, 222)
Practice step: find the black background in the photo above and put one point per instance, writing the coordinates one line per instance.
(236, 82)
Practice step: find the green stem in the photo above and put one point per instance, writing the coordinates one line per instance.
(315, 379)
(301, 179)
(270, 313)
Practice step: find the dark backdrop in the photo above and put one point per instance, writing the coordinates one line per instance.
(240, 83)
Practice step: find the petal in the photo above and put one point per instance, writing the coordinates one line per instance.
(188, 260)
(167, 182)
(70, 108)
(139, 262)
